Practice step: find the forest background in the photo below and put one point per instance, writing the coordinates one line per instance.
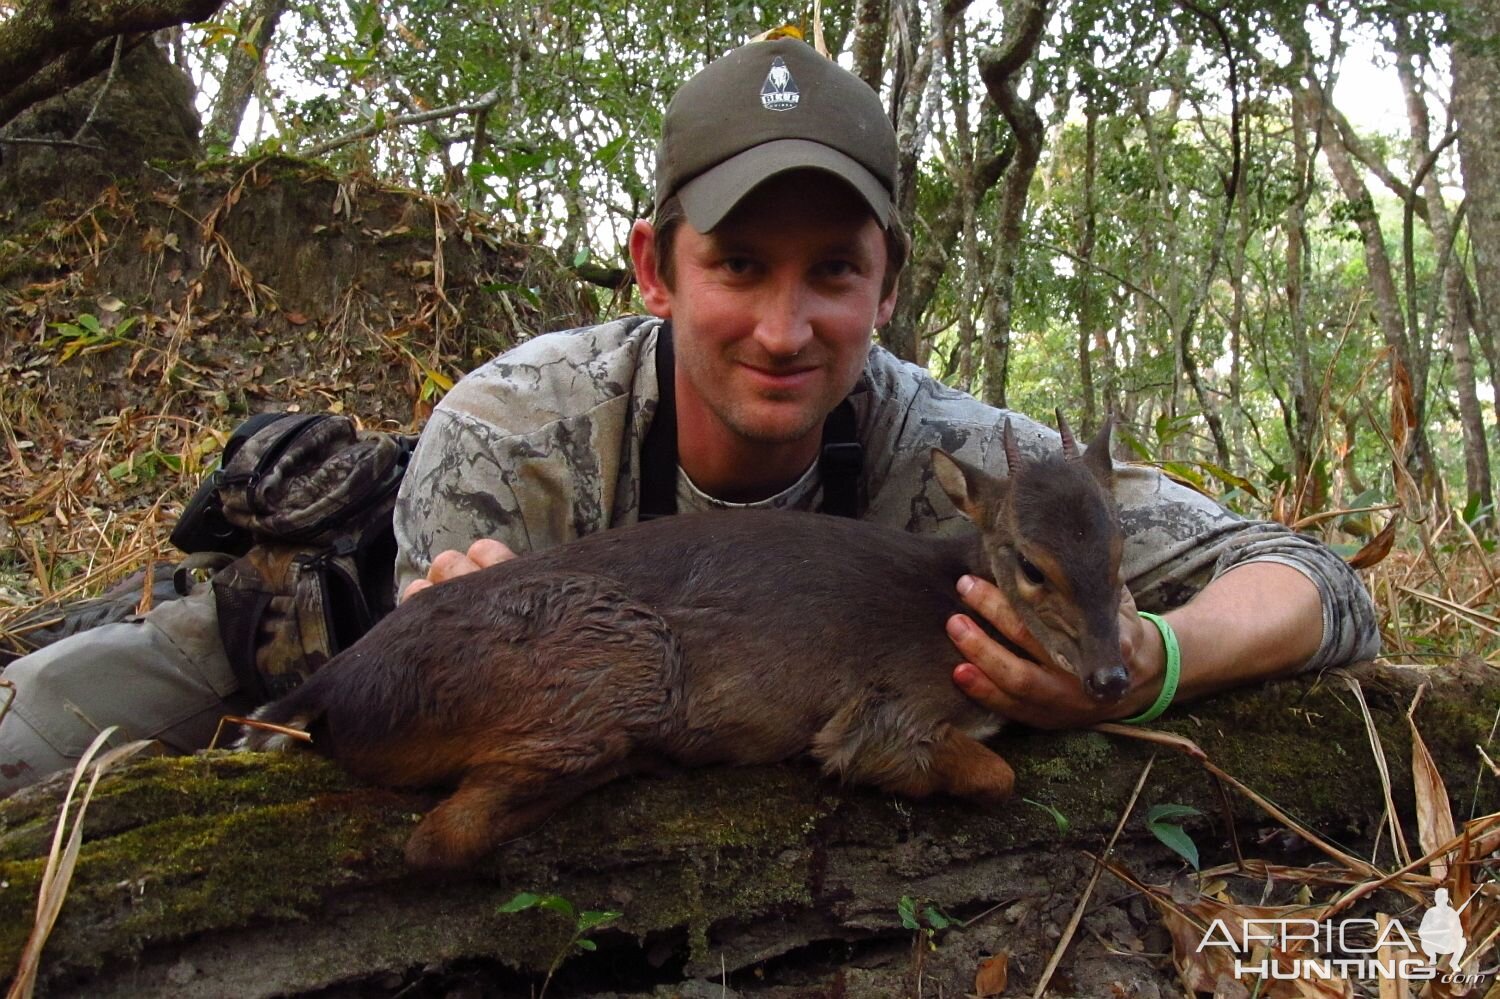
(1158, 210)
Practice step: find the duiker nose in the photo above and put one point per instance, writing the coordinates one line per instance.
(1108, 684)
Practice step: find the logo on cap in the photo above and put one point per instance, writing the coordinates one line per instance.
(779, 92)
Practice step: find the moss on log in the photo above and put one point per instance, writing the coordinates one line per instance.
(250, 875)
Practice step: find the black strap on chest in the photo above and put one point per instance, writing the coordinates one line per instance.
(839, 466)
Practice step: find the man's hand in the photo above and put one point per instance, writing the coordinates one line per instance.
(452, 563)
(1033, 691)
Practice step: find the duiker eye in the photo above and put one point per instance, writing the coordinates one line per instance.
(1031, 572)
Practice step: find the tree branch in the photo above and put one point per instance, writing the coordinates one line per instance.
(68, 143)
(41, 34)
(483, 102)
(114, 69)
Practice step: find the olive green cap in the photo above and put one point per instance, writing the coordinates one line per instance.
(766, 108)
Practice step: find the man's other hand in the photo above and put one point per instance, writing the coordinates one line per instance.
(452, 563)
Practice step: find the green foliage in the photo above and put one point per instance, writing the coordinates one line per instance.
(87, 334)
(924, 919)
(1164, 823)
(145, 466)
(1061, 820)
(581, 923)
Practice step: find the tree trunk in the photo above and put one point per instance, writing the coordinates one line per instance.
(945, 225)
(1476, 113)
(1303, 412)
(256, 29)
(908, 97)
(969, 193)
(1471, 418)
(1388, 312)
(1083, 280)
(871, 25)
(1000, 70)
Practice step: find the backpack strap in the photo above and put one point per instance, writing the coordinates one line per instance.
(659, 449)
(839, 465)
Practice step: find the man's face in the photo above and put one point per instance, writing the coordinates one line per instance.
(773, 310)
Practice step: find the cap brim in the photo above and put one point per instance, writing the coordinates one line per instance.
(710, 196)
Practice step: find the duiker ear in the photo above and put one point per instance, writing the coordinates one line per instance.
(1097, 457)
(966, 486)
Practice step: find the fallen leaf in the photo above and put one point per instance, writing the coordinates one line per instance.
(1434, 815)
(296, 318)
(1377, 548)
(993, 976)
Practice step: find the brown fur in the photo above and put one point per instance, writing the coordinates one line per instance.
(715, 639)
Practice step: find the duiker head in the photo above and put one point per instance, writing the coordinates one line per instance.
(1051, 533)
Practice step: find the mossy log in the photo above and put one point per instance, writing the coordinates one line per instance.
(243, 874)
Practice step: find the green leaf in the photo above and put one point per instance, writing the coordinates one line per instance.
(1186, 472)
(581, 257)
(1229, 479)
(522, 902)
(936, 919)
(559, 905)
(1063, 825)
(1159, 821)
(1136, 445)
(610, 150)
(587, 945)
(592, 919)
(907, 909)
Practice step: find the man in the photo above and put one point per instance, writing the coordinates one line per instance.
(772, 257)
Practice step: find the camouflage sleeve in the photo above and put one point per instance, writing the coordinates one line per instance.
(1178, 540)
(465, 482)
(533, 449)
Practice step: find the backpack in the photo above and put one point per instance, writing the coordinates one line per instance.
(297, 523)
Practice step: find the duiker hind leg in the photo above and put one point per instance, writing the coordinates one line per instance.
(493, 804)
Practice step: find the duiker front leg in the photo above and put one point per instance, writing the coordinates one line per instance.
(955, 764)
(874, 741)
(966, 768)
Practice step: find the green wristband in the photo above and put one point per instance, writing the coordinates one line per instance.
(1173, 673)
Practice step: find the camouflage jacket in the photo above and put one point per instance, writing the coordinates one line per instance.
(542, 445)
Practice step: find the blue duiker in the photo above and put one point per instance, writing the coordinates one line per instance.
(719, 638)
